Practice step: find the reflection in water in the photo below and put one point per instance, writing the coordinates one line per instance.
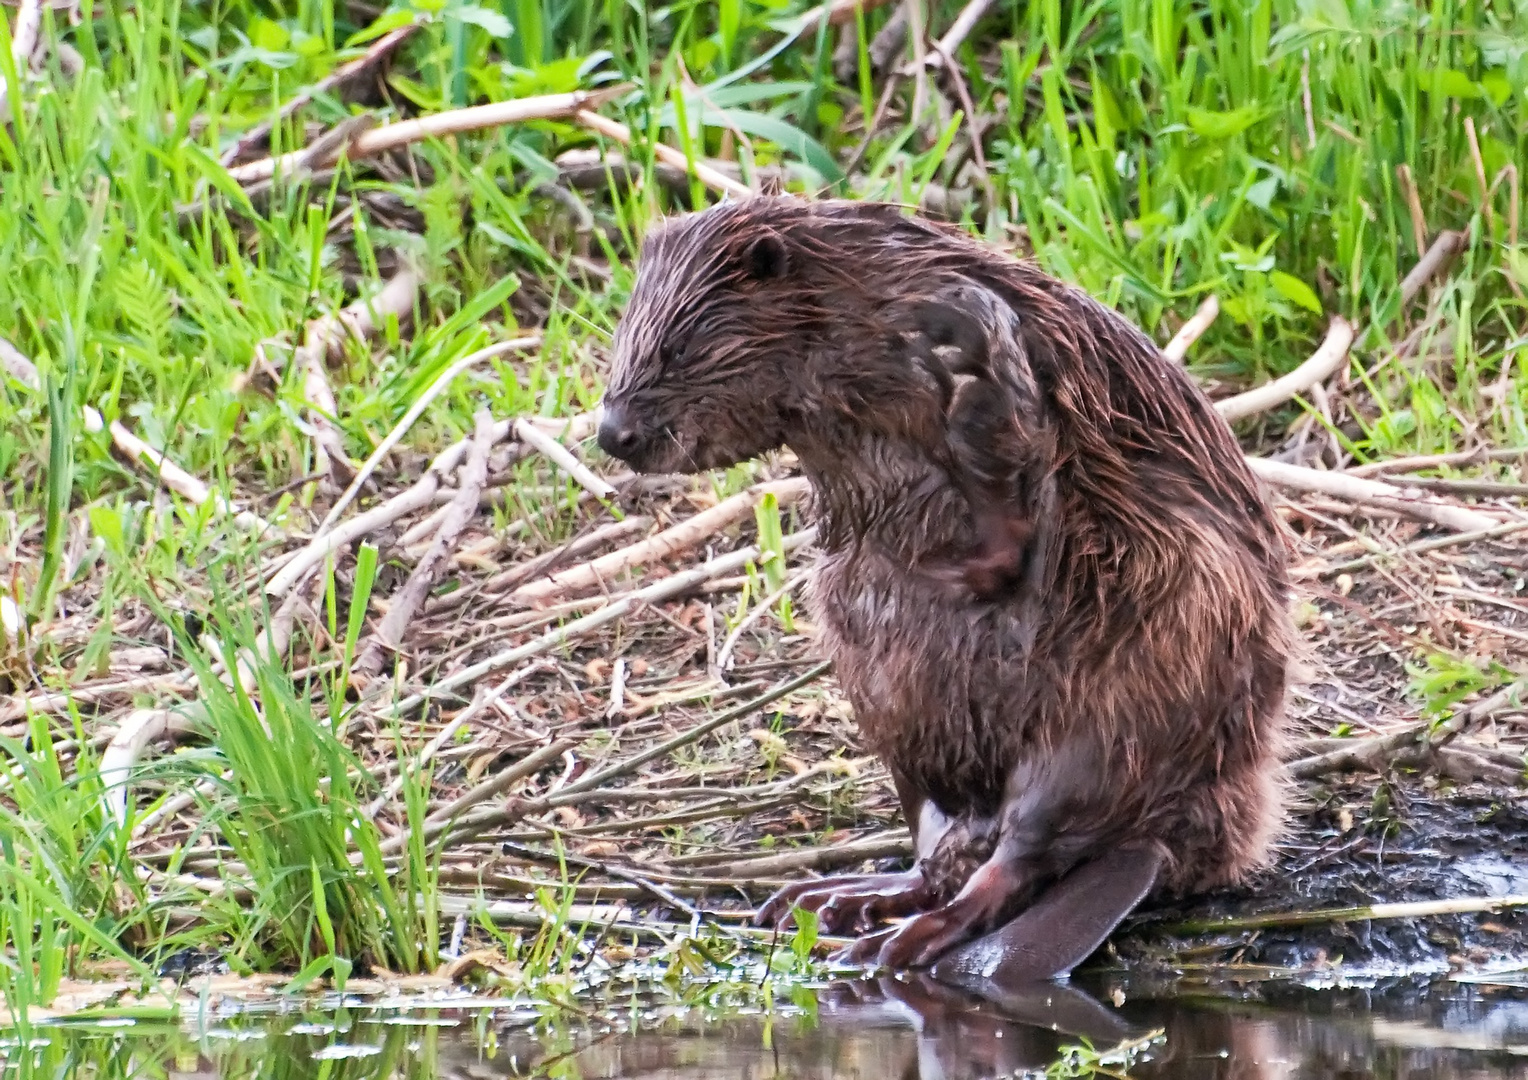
(879, 1029)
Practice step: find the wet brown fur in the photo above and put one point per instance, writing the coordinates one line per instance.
(1128, 654)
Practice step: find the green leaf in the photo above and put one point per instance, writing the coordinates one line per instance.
(786, 136)
(492, 21)
(1293, 289)
(1451, 83)
(1261, 193)
(1212, 124)
(315, 969)
(385, 24)
(267, 34)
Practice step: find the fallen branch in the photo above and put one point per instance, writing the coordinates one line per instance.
(559, 455)
(446, 733)
(959, 30)
(376, 55)
(466, 828)
(707, 174)
(181, 482)
(1377, 753)
(1444, 250)
(495, 586)
(662, 546)
(664, 589)
(1177, 349)
(435, 126)
(832, 857)
(1417, 909)
(1424, 546)
(1322, 363)
(1370, 493)
(406, 601)
(442, 819)
(137, 730)
(724, 654)
(1432, 461)
(405, 422)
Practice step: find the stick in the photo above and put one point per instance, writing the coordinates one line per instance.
(417, 409)
(1371, 493)
(1325, 361)
(1423, 546)
(1445, 249)
(664, 589)
(629, 875)
(437, 822)
(479, 823)
(1430, 461)
(699, 731)
(404, 132)
(724, 654)
(830, 857)
(559, 455)
(406, 601)
(1177, 349)
(516, 575)
(702, 171)
(24, 41)
(181, 482)
(959, 30)
(325, 338)
(415, 498)
(664, 545)
(433, 746)
(140, 728)
(380, 51)
(574, 429)
(1415, 909)
(1376, 752)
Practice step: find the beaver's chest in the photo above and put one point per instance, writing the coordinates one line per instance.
(940, 688)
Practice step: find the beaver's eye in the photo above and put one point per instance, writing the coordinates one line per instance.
(671, 356)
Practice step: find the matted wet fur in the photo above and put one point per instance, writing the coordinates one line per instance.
(1053, 592)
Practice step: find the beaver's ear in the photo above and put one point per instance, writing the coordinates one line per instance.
(765, 259)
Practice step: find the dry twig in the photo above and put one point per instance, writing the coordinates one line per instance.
(1176, 350)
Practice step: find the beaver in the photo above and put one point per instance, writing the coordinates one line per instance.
(1054, 594)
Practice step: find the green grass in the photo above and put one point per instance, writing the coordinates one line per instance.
(1152, 152)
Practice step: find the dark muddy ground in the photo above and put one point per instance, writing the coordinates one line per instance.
(1355, 843)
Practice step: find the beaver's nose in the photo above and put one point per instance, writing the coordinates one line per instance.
(618, 437)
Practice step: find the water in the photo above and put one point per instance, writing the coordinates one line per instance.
(879, 1029)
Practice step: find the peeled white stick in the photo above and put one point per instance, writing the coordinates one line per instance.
(434, 126)
(706, 174)
(573, 429)
(445, 379)
(178, 480)
(1326, 360)
(560, 456)
(662, 545)
(660, 590)
(1371, 493)
(140, 728)
(1192, 330)
(959, 30)
(24, 40)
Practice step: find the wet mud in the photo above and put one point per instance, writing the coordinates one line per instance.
(1355, 843)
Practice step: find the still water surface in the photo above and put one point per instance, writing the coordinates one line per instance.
(865, 1030)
